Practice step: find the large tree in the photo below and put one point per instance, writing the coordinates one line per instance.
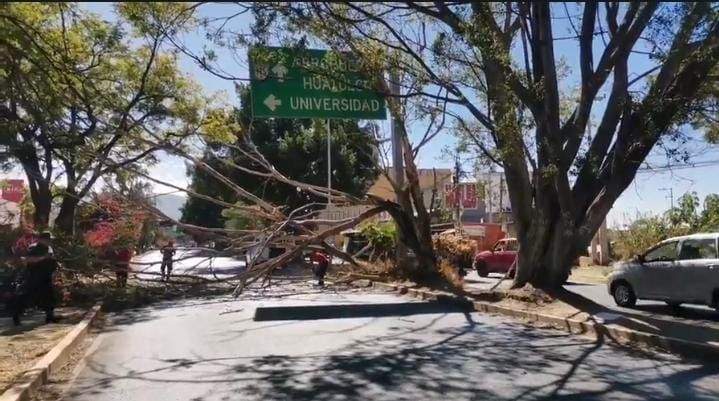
(80, 96)
(297, 148)
(642, 72)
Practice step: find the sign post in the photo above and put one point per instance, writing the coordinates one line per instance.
(311, 83)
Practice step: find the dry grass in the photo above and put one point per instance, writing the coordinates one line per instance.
(455, 249)
(450, 274)
(590, 274)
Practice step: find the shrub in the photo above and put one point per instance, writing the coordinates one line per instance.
(642, 234)
(113, 222)
(455, 249)
(382, 238)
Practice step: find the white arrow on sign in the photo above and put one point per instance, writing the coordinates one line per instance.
(280, 71)
(272, 102)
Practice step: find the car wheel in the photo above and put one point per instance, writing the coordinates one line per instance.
(482, 270)
(674, 304)
(624, 295)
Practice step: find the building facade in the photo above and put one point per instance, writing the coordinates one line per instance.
(12, 192)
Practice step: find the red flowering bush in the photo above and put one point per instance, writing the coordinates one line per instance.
(116, 224)
(101, 236)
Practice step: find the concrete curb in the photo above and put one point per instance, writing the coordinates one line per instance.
(617, 334)
(39, 374)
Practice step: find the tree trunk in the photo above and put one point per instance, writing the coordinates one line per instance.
(65, 221)
(42, 203)
(423, 269)
(41, 197)
(546, 254)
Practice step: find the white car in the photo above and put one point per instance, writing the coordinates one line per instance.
(677, 270)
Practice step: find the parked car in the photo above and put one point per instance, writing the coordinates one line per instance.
(677, 270)
(500, 259)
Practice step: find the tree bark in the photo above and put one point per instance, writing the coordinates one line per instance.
(40, 194)
(65, 220)
(546, 254)
(414, 239)
(42, 203)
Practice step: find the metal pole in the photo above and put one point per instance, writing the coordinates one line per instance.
(329, 166)
(501, 197)
(457, 195)
(671, 195)
(488, 186)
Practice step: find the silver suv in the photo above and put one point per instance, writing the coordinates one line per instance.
(677, 270)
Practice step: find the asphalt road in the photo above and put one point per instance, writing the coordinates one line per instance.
(599, 294)
(364, 346)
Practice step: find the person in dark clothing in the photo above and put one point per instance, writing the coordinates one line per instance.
(36, 288)
(320, 262)
(168, 251)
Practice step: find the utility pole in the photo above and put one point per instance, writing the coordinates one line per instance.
(671, 196)
(457, 197)
(488, 192)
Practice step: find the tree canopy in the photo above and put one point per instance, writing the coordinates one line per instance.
(83, 97)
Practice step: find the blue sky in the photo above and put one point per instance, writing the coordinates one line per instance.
(641, 197)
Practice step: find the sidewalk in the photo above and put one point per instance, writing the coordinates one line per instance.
(21, 346)
(577, 314)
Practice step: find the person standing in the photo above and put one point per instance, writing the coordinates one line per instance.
(122, 265)
(320, 262)
(168, 251)
(36, 287)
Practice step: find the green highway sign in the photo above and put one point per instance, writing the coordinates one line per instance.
(310, 83)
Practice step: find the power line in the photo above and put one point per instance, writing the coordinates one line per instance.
(684, 166)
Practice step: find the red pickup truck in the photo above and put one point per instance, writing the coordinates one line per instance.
(500, 259)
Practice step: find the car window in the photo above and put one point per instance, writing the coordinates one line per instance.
(664, 252)
(512, 246)
(698, 249)
(499, 246)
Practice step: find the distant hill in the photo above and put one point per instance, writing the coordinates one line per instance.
(170, 204)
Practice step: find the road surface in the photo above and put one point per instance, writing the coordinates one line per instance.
(599, 294)
(363, 346)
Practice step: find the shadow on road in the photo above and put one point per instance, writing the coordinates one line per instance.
(316, 312)
(471, 361)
